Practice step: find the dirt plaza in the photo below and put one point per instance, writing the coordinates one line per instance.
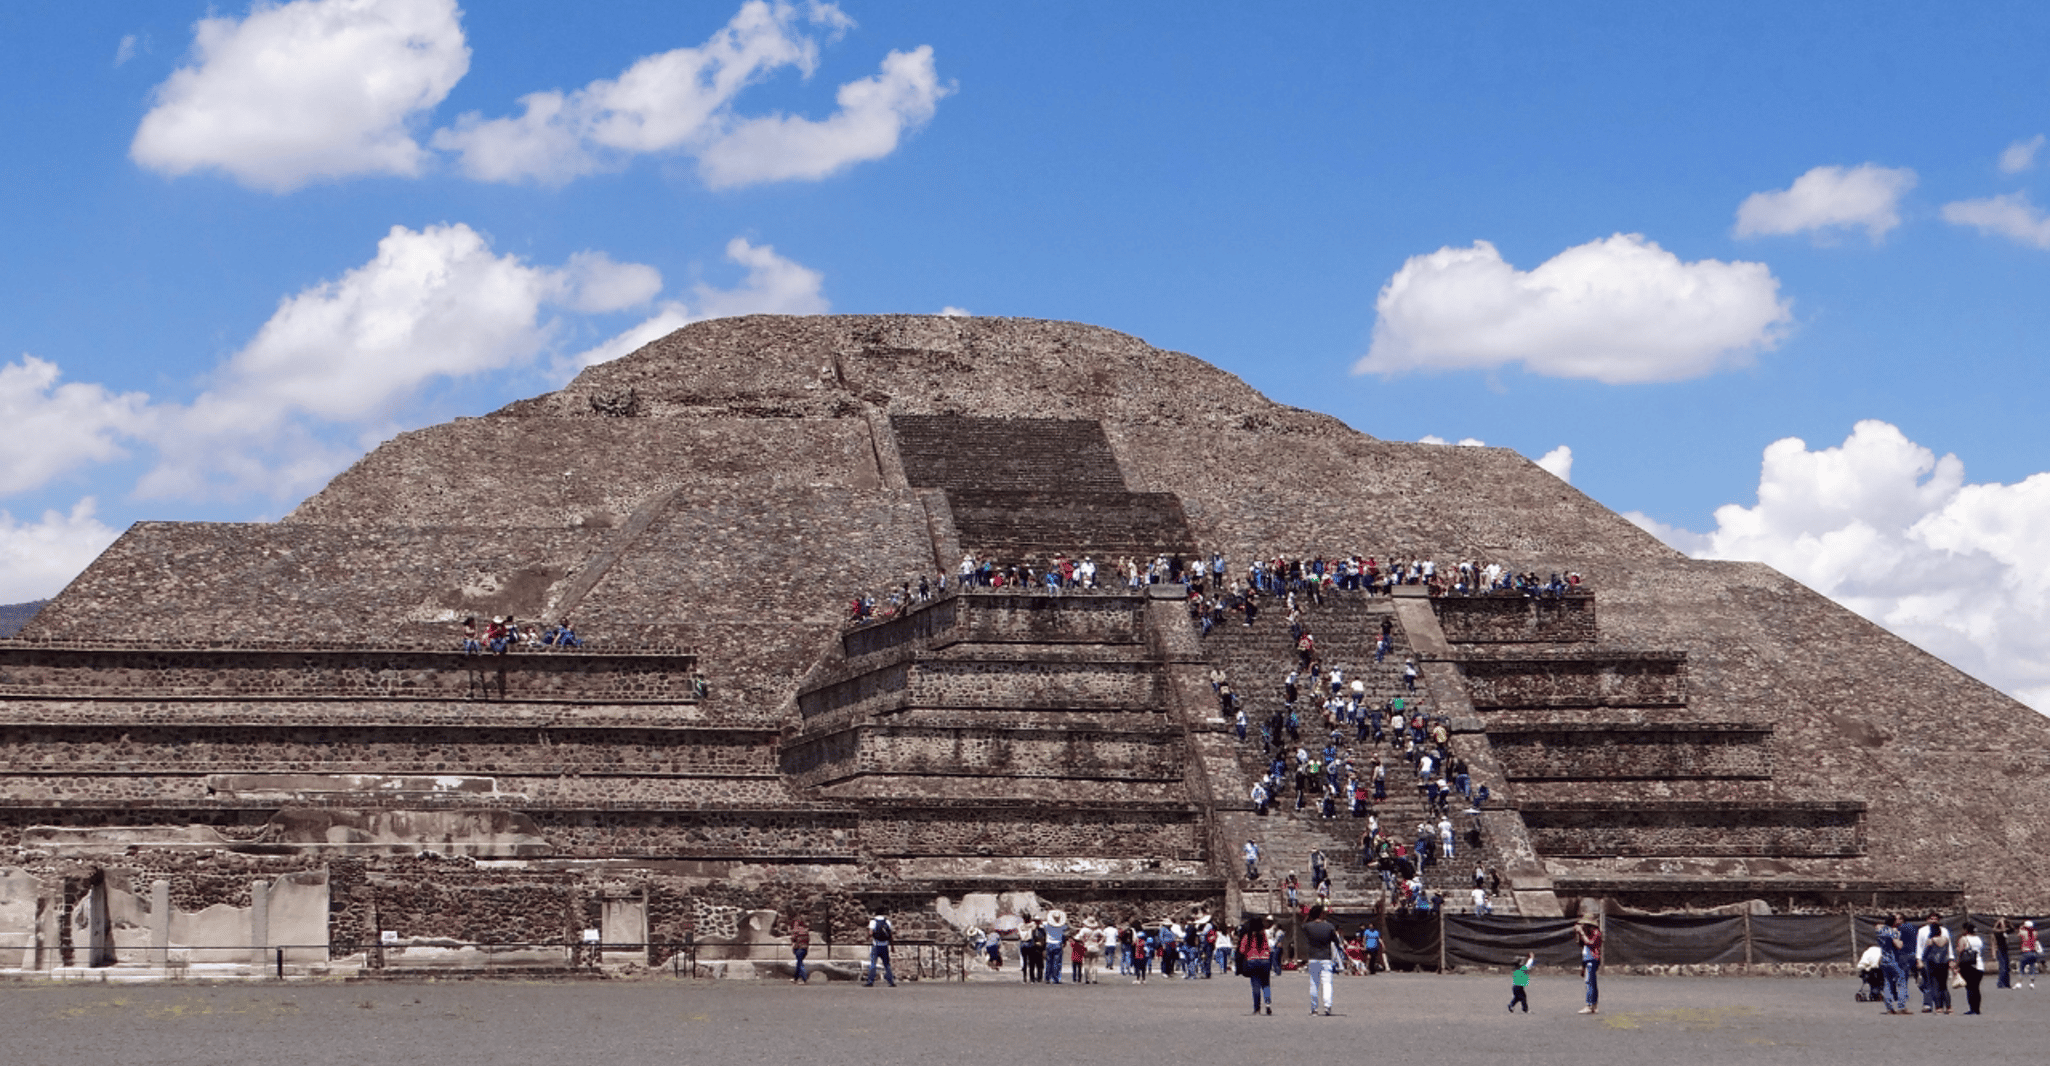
(1456, 1017)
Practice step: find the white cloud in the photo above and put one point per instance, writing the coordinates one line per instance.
(1885, 527)
(773, 285)
(2021, 155)
(37, 559)
(2012, 216)
(54, 428)
(434, 303)
(1464, 442)
(680, 101)
(593, 284)
(874, 114)
(1615, 310)
(1829, 198)
(124, 51)
(305, 91)
(950, 311)
(1558, 462)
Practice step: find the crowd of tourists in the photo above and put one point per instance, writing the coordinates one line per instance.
(1933, 959)
(504, 635)
(1330, 752)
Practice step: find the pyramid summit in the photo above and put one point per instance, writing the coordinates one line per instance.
(291, 701)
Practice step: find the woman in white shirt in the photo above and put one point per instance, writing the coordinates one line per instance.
(1971, 964)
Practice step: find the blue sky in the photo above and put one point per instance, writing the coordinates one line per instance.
(245, 244)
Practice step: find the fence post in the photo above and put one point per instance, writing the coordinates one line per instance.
(1441, 940)
(1749, 958)
(281, 964)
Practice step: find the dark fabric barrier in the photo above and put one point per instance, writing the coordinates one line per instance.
(1805, 938)
(1674, 940)
(1501, 940)
(1412, 943)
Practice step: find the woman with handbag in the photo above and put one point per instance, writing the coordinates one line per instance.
(1971, 965)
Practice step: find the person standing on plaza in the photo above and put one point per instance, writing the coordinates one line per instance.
(2032, 952)
(1589, 933)
(1255, 960)
(1322, 944)
(880, 934)
(800, 946)
(1519, 984)
(2004, 973)
(1938, 959)
(1056, 936)
(1933, 984)
(1896, 962)
(1971, 964)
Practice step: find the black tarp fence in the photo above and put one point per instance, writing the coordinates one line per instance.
(1433, 941)
(1423, 943)
(1487, 940)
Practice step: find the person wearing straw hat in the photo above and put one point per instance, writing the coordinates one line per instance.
(1056, 933)
(1091, 941)
(1589, 933)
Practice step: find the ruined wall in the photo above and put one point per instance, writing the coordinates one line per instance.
(311, 672)
(1584, 830)
(1512, 618)
(1604, 753)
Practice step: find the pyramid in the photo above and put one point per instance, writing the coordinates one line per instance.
(211, 706)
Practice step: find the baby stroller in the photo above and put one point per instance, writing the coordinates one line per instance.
(1871, 982)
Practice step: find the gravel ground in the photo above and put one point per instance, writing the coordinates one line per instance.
(1456, 1018)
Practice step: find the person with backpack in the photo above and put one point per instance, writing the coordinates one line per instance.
(880, 934)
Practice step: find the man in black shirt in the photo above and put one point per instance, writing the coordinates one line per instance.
(1323, 949)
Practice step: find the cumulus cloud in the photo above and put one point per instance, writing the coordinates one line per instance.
(2012, 216)
(305, 91)
(874, 115)
(1887, 528)
(1616, 310)
(680, 101)
(772, 285)
(2021, 155)
(54, 428)
(1464, 442)
(1829, 198)
(435, 303)
(37, 559)
(1558, 462)
(950, 311)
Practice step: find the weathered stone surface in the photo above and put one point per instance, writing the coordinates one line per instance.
(766, 471)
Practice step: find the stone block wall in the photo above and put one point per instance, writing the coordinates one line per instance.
(1011, 831)
(1592, 679)
(1032, 684)
(1602, 752)
(1027, 454)
(1033, 527)
(1512, 618)
(355, 674)
(1779, 830)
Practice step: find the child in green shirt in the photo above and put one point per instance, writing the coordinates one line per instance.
(1519, 981)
